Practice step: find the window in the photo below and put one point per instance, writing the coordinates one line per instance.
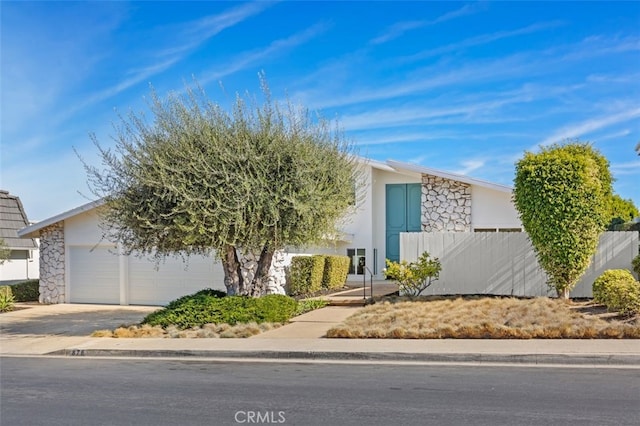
(484, 230)
(356, 260)
(509, 230)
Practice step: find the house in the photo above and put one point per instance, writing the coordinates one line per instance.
(22, 261)
(77, 266)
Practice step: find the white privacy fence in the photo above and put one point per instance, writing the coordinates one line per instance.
(505, 263)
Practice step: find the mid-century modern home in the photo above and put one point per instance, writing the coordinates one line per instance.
(23, 259)
(77, 266)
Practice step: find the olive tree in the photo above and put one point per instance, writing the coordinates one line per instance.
(561, 194)
(250, 179)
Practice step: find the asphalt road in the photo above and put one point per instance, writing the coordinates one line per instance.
(76, 391)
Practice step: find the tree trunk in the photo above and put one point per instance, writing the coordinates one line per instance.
(232, 277)
(564, 293)
(258, 286)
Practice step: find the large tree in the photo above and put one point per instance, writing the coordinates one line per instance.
(620, 211)
(562, 195)
(254, 179)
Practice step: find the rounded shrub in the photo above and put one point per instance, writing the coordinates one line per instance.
(205, 307)
(635, 263)
(26, 291)
(618, 290)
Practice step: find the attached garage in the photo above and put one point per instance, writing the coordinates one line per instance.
(79, 266)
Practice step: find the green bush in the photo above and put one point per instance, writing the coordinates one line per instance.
(415, 277)
(305, 274)
(308, 305)
(203, 308)
(636, 266)
(6, 299)
(618, 291)
(26, 291)
(335, 273)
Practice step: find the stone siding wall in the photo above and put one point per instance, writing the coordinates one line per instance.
(276, 279)
(52, 286)
(446, 205)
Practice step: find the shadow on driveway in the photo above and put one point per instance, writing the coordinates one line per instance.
(71, 324)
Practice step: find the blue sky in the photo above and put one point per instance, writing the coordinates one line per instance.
(458, 86)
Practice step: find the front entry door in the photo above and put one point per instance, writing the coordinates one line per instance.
(402, 215)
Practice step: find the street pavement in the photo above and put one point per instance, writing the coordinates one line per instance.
(65, 329)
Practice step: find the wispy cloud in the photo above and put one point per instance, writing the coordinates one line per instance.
(254, 57)
(630, 168)
(189, 36)
(469, 166)
(577, 130)
(398, 29)
(480, 40)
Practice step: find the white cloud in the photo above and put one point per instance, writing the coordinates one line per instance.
(252, 58)
(469, 166)
(398, 29)
(577, 130)
(480, 40)
(629, 168)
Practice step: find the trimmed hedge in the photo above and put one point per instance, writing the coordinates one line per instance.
(26, 291)
(202, 308)
(306, 274)
(618, 290)
(336, 269)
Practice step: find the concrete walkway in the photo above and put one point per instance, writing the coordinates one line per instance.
(302, 340)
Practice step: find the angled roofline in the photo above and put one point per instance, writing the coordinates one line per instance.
(448, 175)
(32, 231)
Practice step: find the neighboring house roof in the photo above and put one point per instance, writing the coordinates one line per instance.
(12, 219)
(390, 166)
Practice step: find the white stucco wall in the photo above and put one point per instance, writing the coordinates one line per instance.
(21, 269)
(492, 209)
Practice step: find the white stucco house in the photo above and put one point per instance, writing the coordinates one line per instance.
(77, 266)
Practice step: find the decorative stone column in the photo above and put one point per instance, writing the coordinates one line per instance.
(52, 285)
(446, 205)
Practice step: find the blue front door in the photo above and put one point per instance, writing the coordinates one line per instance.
(402, 215)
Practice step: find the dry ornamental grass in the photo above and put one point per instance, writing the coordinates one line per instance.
(486, 318)
(206, 331)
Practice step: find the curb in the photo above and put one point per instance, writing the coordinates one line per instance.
(558, 359)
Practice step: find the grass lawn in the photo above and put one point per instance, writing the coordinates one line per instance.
(486, 318)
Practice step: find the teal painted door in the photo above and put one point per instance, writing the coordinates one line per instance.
(402, 215)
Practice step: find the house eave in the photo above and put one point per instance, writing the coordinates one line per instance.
(415, 168)
(33, 231)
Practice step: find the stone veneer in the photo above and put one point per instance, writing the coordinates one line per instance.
(52, 286)
(446, 205)
(275, 280)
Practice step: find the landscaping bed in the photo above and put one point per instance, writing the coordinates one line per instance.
(477, 317)
(212, 314)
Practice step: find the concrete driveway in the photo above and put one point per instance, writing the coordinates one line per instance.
(68, 319)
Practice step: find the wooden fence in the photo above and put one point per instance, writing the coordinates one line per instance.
(505, 263)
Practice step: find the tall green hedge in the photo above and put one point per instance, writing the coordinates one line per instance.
(336, 269)
(305, 274)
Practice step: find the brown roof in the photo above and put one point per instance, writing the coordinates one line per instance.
(12, 219)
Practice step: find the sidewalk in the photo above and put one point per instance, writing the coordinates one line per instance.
(301, 340)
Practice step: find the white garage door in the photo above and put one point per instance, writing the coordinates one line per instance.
(173, 278)
(93, 275)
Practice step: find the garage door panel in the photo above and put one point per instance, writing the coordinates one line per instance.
(171, 279)
(93, 275)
